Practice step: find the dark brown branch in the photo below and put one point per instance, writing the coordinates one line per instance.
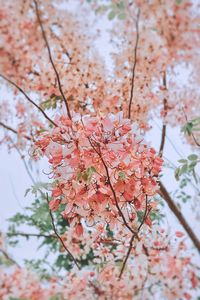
(14, 131)
(195, 140)
(26, 166)
(165, 195)
(134, 64)
(112, 190)
(162, 143)
(97, 290)
(59, 237)
(115, 197)
(127, 255)
(164, 128)
(28, 98)
(133, 237)
(27, 234)
(51, 58)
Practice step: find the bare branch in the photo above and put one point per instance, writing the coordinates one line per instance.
(164, 127)
(147, 211)
(127, 255)
(27, 234)
(165, 195)
(14, 131)
(28, 98)
(59, 237)
(162, 143)
(5, 254)
(112, 189)
(134, 64)
(51, 58)
(26, 166)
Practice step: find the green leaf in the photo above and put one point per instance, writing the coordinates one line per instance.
(87, 174)
(51, 102)
(187, 128)
(122, 175)
(120, 5)
(111, 15)
(193, 157)
(92, 169)
(196, 121)
(182, 161)
(79, 176)
(176, 173)
(183, 169)
(11, 298)
(192, 165)
(122, 16)
(56, 297)
(140, 216)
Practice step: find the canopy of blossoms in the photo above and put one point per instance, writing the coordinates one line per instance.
(100, 206)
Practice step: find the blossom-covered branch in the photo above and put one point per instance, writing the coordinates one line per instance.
(146, 212)
(134, 64)
(28, 98)
(60, 238)
(14, 131)
(51, 58)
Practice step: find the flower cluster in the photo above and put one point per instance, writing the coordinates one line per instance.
(101, 168)
(158, 266)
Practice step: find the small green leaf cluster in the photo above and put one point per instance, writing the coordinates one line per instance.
(117, 10)
(86, 175)
(114, 8)
(51, 102)
(187, 166)
(190, 126)
(183, 196)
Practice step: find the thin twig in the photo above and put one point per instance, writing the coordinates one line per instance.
(28, 98)
(127, 255)
(14, 131)
(5, 254)
(112, 189)
(59, 237)
(51, 58)
(26, 166)
(162, 143)
(164, 127)
(133, 237)
(27, 234)
(134, 64)
(165, 195)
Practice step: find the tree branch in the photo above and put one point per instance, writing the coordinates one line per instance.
(51, 58)
(112, 189)
(165, 195)
(134, 64)
(5, 254)
(28, 98)
(59, 237)
(147, 211)
(164, 127)
(27, 234)
(162, 143)
(14, 131)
